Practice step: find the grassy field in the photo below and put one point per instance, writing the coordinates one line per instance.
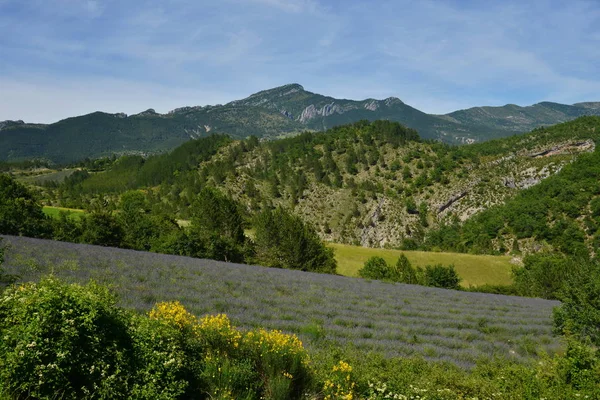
(474, 270)
(54, 211)
(45, 176)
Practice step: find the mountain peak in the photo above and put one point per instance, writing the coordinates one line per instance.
(9, 123)
(279, 91)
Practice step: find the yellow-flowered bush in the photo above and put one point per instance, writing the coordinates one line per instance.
(282, 361)
(340, 385)
(218, 334)
(277, 343)
(233, 364)
(174, 313)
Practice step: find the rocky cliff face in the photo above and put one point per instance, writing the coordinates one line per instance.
(8, 124)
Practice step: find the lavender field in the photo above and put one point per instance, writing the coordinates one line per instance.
(394, 319)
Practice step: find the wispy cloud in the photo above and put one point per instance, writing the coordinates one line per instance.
(436, 56)
(293, 6)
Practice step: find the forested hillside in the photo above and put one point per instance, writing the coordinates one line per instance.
(259, 202)
(561, 213)
(374, 184)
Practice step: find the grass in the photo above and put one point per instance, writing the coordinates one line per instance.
(45, 176)
(475, 270)
(55, 211)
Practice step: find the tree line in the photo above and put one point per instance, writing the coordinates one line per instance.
(215, 231)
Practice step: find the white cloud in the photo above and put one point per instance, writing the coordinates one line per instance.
(293, 6)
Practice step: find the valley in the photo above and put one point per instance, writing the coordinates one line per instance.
(510, 225)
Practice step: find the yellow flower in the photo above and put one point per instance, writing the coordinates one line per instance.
(287, 375)
(174, 313)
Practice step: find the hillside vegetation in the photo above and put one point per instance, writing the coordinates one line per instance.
(372, 184)
(213, 328)
(279, 112)
(561, 213)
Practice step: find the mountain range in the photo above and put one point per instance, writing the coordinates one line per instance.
(274, 113)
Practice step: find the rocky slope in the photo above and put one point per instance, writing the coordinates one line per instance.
(278, 112)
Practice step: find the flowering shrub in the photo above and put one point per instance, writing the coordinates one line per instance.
(281, 360)
(232, 364)
(218, 334)
(62, 341)
(224, 378)
(341, 384)
(173, 313)
(70, 341)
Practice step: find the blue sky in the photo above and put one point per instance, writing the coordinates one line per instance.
(61, 58)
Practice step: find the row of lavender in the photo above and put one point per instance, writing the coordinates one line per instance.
(394, 319)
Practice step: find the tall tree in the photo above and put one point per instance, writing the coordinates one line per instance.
(20, 213)
(217, 227)
(283, 240)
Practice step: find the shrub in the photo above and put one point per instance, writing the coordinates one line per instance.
(229, 364)
(404, 271)
(72, 342)
(340, 384)
(543, 275)
(580, 366)
(217, 226)
(64, 341)
(375, 268)
(579, 313)
(101, 228)
(281, 361)
(20, 214)
(5, 279)
(442, 277)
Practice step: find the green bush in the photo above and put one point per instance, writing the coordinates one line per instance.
(579, 313)
(543, 275)
(101, 228)
(5, 279)
(442, 277)
(375, 268)
(405, 272)
(72, 342)
(217, 227)
(63, 341)
(20, 214)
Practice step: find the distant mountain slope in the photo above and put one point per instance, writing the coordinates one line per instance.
(278, 112)
(513, 118)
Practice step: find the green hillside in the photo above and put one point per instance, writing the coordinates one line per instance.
(561, 213)
(372, 184)
(280, 112)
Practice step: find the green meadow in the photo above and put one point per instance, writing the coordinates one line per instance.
(475, 270)
(55, 211)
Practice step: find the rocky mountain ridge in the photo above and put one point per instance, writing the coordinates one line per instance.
(273, 113)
